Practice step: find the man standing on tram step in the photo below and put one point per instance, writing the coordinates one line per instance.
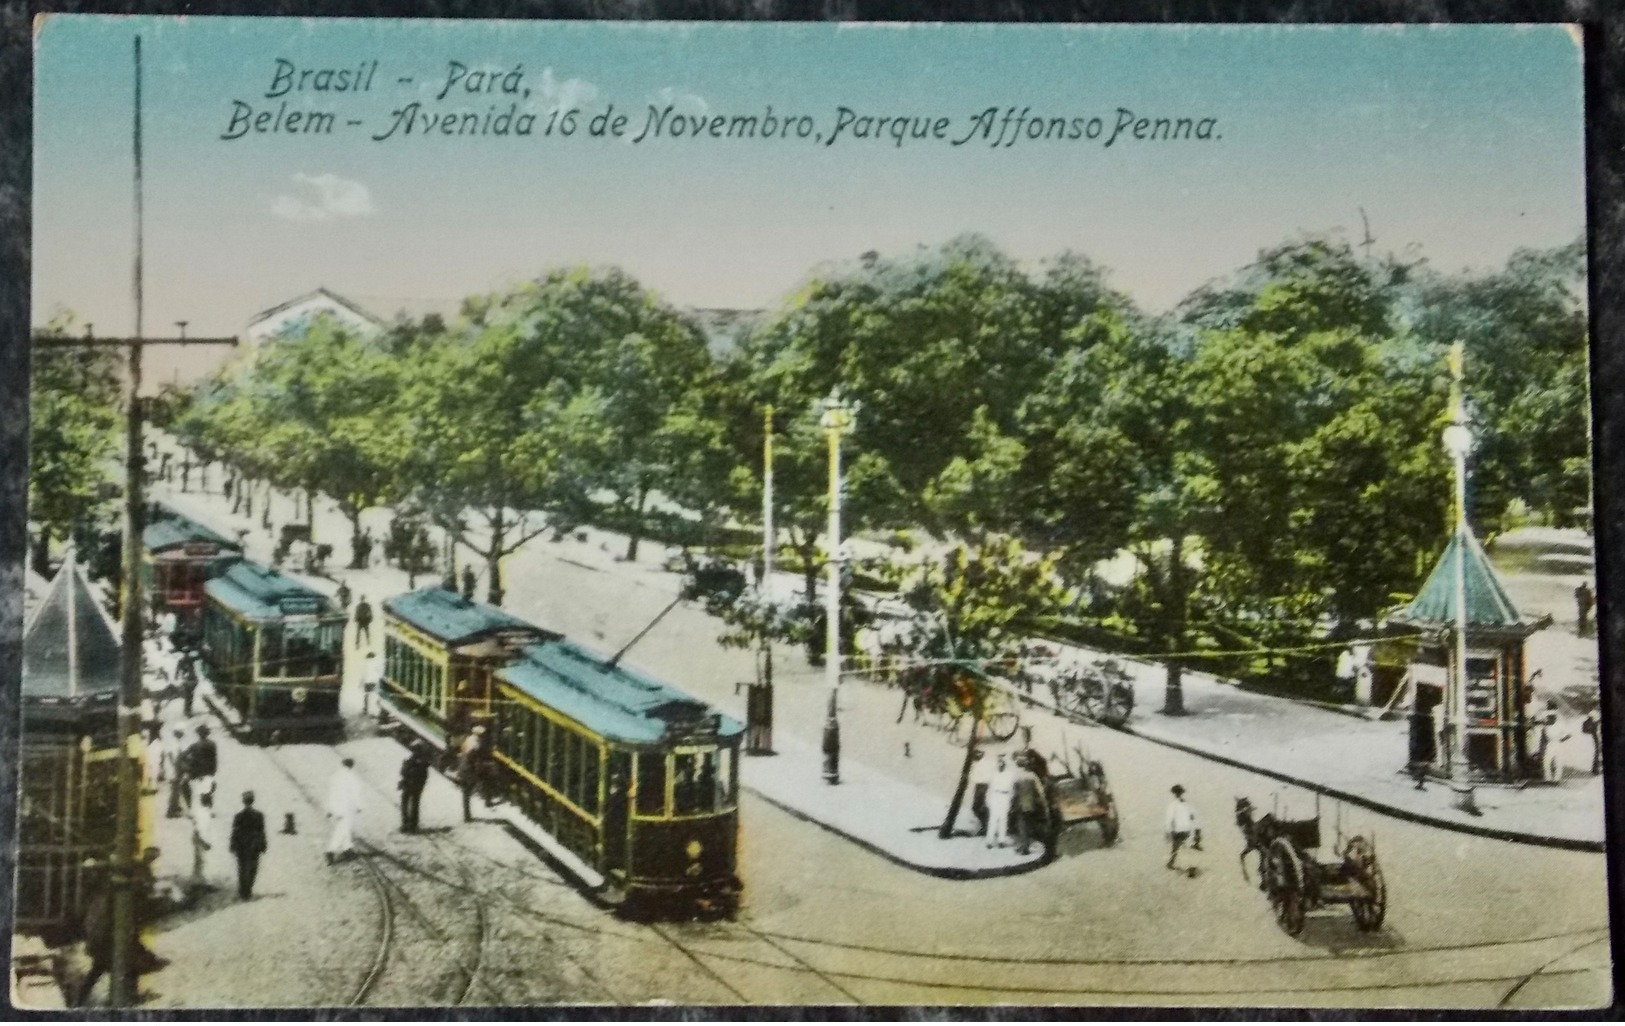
(247, 845)
(469, 581)
(1182, 824)
(414, 777)
(343, 808)
(471, 769)
(1584, 600)
(188, 676)
(363, 621)
(343, 595)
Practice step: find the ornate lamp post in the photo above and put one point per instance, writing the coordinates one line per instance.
(1458, 442)
(837, 418)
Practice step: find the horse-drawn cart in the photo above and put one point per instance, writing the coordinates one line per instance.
(1298, 882)
(1084, 797)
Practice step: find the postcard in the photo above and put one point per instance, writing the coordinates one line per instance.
(618, 513)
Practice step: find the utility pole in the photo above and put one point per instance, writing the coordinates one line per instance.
(126, 858)
(759, 705)
(838, 416)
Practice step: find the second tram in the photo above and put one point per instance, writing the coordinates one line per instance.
(274, 649)
(179, 555)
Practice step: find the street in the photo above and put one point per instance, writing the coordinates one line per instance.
(475, 916)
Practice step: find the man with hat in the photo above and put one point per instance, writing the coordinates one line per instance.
(199, 764)
(343, 808)
(1182, 825)
(247, 844)
(414, 777)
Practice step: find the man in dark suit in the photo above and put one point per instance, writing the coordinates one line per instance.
(247, 844)
(414, 777)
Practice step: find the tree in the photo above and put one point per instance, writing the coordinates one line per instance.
(629, 359)
(74, 425)
(974, 610)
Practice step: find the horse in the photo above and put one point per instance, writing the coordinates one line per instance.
(1258, 834)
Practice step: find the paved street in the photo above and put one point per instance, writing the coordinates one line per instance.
(476, 916)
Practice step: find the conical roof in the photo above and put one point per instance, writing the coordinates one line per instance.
(1488, 606)
(70, 646)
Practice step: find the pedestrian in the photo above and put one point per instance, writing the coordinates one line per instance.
(981, 776)
(1554, 734)
(372, 683)
(1591, 726)
(201, 761)
(175, 752)
(1182, 825)
(154, 761)
(468, 582)
(363, 621)
(343, 808)
(247, 844)
(202, 832)
(97, 925)
(414, 777)
(363, 554)
(343, 595)
(1584, 600)
(1000, 797)
(1030, 806)
(186, 474)
(471, 769)
(188, 681)
(166, 628)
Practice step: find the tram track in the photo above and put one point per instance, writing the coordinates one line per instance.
(891, 968)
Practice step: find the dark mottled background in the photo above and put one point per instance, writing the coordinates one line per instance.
(1605, 86)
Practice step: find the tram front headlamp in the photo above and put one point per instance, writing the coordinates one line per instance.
(694, 848)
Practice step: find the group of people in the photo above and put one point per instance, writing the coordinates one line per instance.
(1007, 793)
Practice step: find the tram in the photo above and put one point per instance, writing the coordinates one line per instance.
(637, 780)
(178, 556)
(274, 650)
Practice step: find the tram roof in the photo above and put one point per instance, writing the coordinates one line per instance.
(261, 593)
(169, 529)
(615, 702)
(445, 615)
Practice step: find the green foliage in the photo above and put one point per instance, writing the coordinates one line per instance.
(75, 435)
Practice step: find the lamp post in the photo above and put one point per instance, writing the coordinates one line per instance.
(1458, 442)
(837, 418)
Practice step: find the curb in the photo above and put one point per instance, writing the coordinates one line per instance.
(1511, 836)
(942, 872)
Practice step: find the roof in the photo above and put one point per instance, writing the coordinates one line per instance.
(1488, 606)
(70, 646)
(321, 292)
(614, 701)
(169, 529)
(445, 615)
(261, 593)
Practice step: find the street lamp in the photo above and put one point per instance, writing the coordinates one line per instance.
(837, 417)
(1458, 442)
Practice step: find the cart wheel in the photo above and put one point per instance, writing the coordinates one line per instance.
(1286, 887)
(1110, 825)
(1368, 911)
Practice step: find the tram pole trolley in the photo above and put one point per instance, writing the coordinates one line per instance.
(1298, 882)
(274, 651)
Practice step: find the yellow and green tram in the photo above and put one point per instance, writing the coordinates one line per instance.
(274, 650)
(637, 780)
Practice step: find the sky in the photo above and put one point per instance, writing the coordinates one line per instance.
(1459, 143)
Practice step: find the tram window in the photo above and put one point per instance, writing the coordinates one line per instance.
(694, 790)
(589, 778)
(555, 757)
(299, 649)
(573, 787)
(725, 778)
(538, 759)
(271, 650)
(651, 784)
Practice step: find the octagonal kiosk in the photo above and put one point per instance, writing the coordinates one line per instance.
(1463, 593)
